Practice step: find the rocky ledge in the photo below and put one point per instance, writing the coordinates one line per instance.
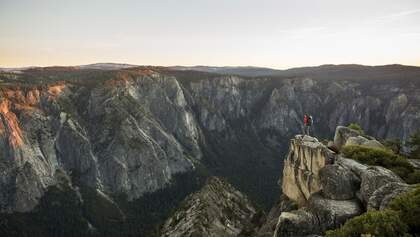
(306, 157)
(329, 188)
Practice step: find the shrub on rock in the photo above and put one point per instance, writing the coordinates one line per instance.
(356, 127)
(414, 145)
(385, 158)
(408, 206)
(385, 223)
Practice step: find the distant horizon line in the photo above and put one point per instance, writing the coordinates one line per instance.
(209, 66)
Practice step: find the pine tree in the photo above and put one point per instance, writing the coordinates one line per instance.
(414, 145)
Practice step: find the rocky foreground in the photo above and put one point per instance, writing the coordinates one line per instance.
(321, 191)
(330, 188)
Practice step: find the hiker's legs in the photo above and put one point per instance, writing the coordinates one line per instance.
(308, 129)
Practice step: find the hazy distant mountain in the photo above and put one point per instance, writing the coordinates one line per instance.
(14, 70)
(106, 66)
(327, 71)
(343, 71)
(97, 66)
(354, 71)
(240, 71)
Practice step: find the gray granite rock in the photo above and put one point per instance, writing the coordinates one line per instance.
(306, 157)
(319, 214)
(381, 197)
(217, 209)
(374, 178)
(342, 134)
(363, 141)
(338, 183)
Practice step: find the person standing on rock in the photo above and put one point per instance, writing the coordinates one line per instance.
(307, 123)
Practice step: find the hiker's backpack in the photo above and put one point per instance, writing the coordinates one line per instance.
(310, 121)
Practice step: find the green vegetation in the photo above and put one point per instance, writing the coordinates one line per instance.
(401, 218)
(385, 223)
(395, 145)
(356, 127)
(385, 158)
(414, 145)
(414, 177)
(408, 206)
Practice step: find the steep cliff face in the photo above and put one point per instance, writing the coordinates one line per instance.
(128, 135)
(217, 209)
(27, 150)
(329, 188)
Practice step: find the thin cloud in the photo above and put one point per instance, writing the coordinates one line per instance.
(398, 15)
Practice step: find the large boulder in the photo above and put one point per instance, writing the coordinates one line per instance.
(306, 157)
(374, 178)
(363, 141)
(383, 195)
(269, 226)
(320, 214)
(338, 183)
(351, 165)
(296, 223)
(359, 140)
(342, 134)
(333, 213)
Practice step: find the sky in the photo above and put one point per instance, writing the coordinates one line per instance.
(267, 33)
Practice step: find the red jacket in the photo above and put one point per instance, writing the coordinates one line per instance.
(305, 120)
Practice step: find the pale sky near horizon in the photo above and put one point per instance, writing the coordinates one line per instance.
(270, 33)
